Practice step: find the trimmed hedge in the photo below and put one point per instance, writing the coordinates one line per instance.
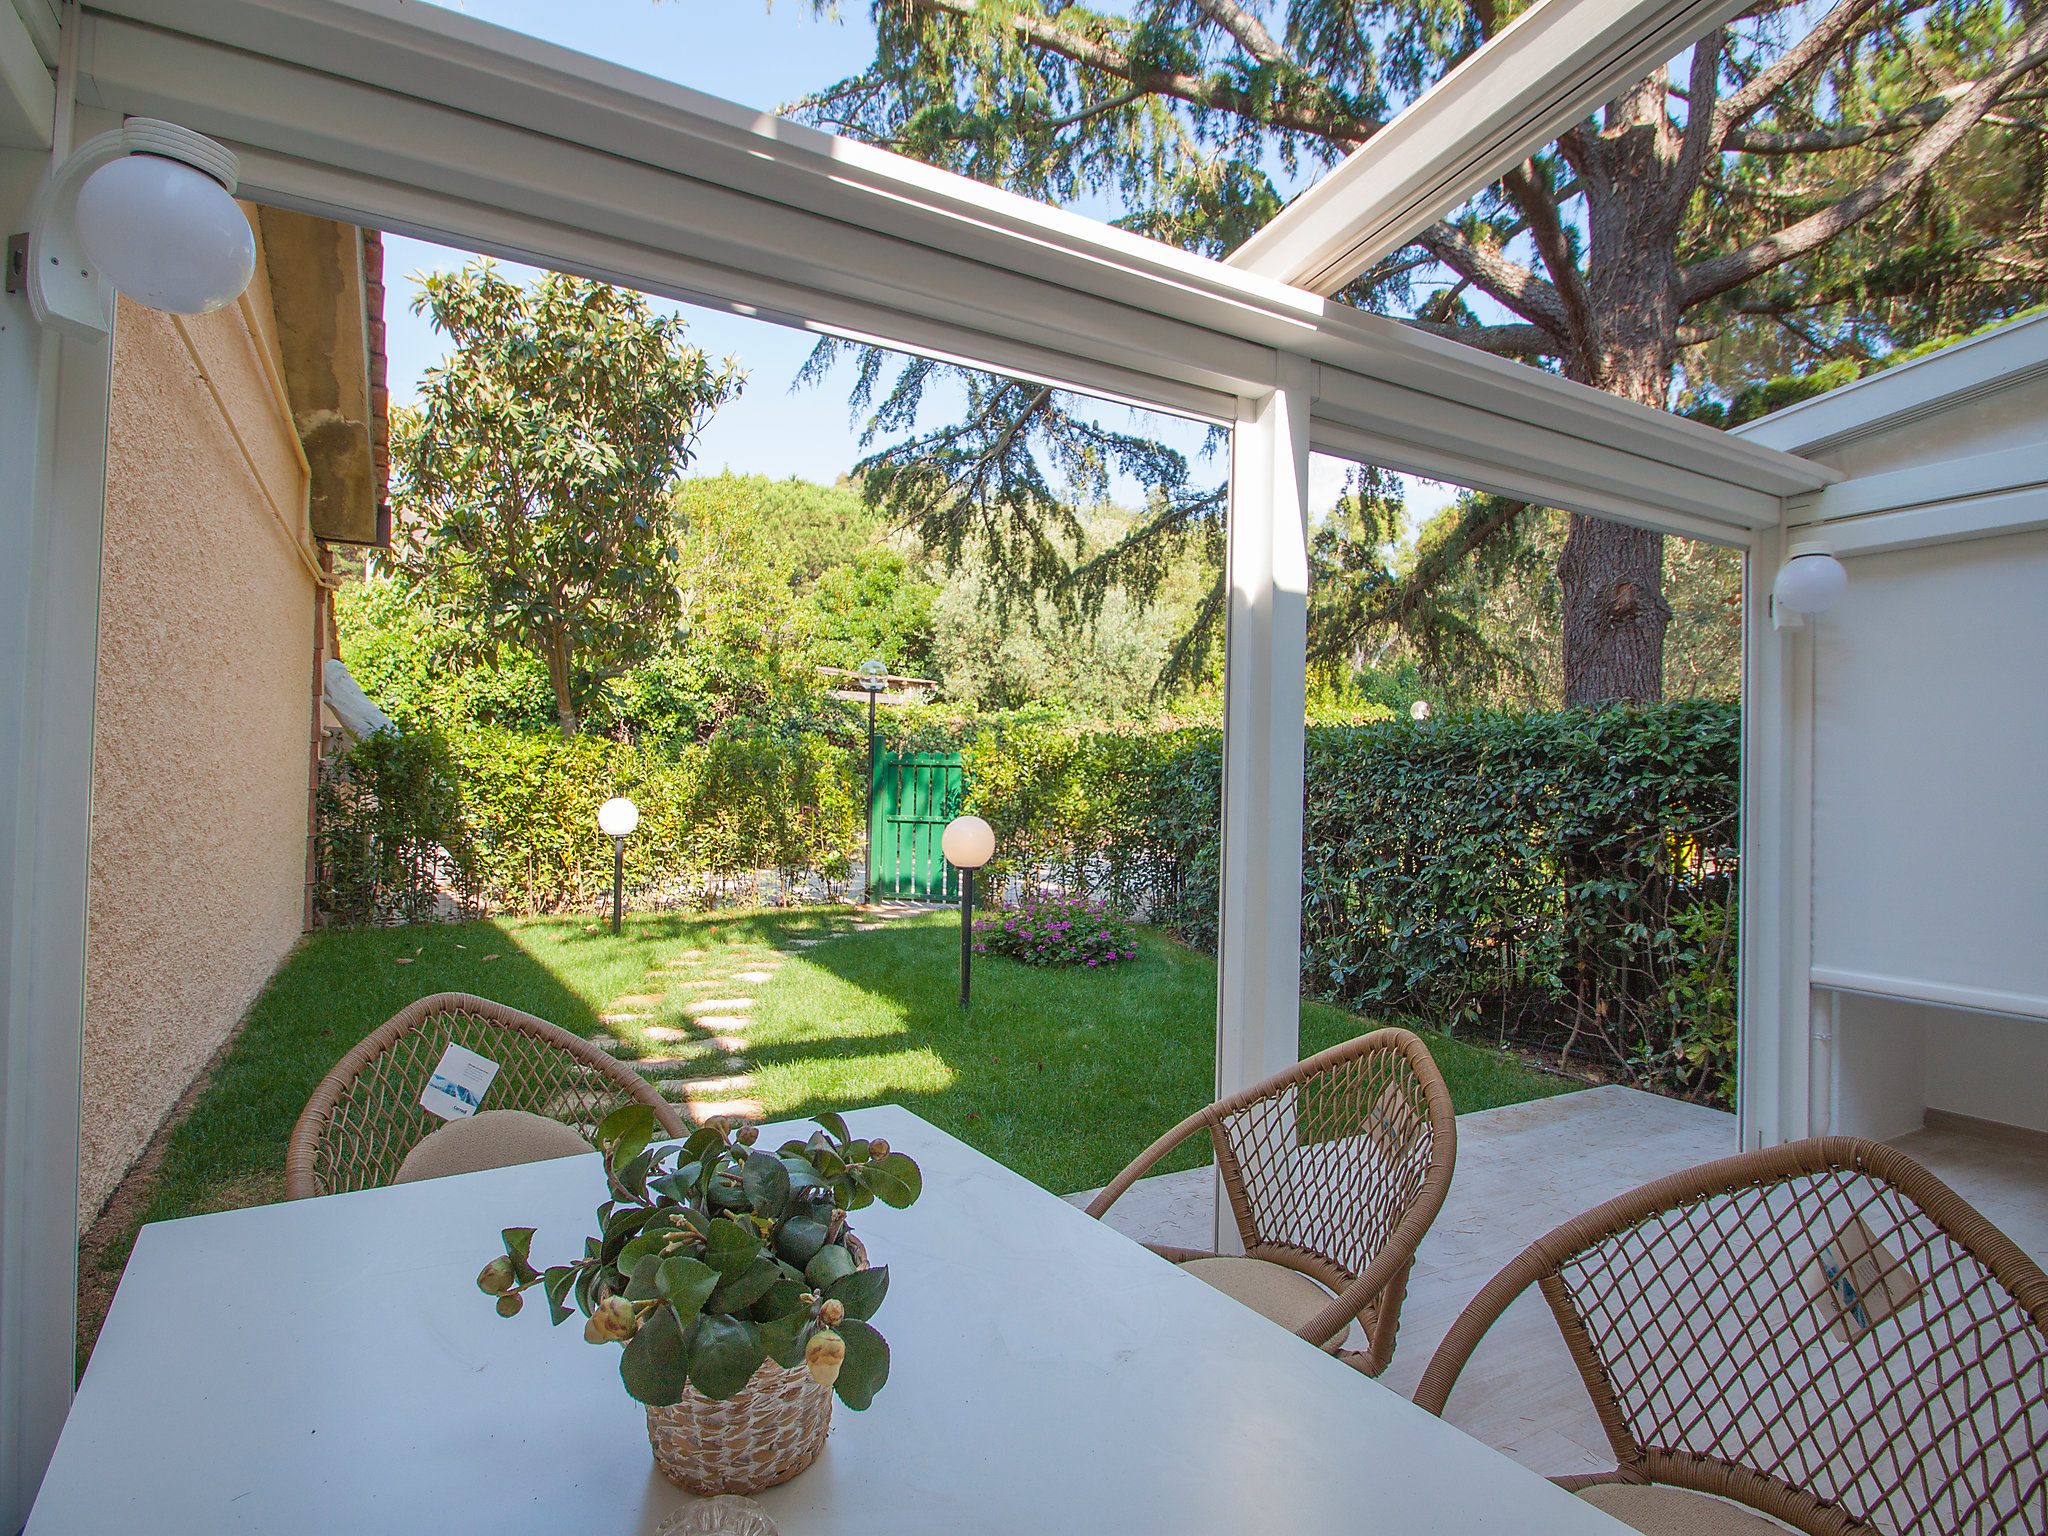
(1565, 879)
(508, 819)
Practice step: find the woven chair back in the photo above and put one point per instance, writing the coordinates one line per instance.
(1824, 1331)
(366, 1114)
(1323, 1163)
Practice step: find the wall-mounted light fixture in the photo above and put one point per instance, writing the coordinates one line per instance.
(1810, 581)
(147, 210)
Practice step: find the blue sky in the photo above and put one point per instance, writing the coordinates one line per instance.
(745, 52)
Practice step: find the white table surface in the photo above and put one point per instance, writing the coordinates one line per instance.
(330, 1366)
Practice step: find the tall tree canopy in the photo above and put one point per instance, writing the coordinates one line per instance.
(531, 484)
(1822, 182)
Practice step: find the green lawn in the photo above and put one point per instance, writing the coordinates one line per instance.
(1063, 1075)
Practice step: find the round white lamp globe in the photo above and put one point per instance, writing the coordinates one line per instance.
(1419, 710)
(1812, 581)
(968, 842)
(618, 817)
(874, 674)
(166, 234)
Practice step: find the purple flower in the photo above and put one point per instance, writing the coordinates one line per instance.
(1091, 962)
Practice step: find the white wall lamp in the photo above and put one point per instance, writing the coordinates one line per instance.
(1810, 581)
(147, 210)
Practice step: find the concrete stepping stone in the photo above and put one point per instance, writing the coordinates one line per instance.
(701, 1109)
(721, 1021)
(732, 1044)
(622, 1018)
(805, 943)
(638, 1000)
(754, 976)
(604, 1042)
(665, 1033)
(693, 954)
(720, 1002)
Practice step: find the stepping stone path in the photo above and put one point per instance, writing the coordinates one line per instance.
(687, 1080)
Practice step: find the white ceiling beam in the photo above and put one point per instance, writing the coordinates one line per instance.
(1557, 61)
(28, 97)
(419, 119)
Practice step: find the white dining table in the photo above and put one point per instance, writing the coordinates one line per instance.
(329, 1365)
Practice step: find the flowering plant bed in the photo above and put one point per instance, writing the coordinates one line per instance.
(1057, 930)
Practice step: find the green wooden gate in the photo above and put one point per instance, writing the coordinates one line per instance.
(915, 795)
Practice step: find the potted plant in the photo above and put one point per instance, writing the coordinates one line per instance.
(741, 1296)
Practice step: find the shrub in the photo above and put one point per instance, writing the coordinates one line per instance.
(391, 835)
(1057, 930)
(1541, 875)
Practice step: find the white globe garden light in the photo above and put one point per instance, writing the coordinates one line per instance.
(147, 210)
(1812, 581)
(968, 843)
(616, 819)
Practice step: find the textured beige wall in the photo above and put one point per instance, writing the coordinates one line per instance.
(203, 721)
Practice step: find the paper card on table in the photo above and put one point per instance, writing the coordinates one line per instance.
(460, 1081)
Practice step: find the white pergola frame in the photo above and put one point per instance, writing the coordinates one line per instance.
(419, 120)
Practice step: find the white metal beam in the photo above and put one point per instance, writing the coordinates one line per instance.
(53, 439)
(418, 118)
(28, 97)
(1258, 948)
(1552, 65)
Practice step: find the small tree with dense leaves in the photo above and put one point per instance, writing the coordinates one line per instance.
(532, 483)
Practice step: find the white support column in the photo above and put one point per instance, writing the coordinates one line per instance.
(53, 426)
(1258, 951)
(1775, 1064)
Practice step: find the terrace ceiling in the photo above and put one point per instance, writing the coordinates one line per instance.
(420, 120)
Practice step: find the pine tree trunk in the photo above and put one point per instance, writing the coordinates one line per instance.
(1614, 613)
(1612, 576)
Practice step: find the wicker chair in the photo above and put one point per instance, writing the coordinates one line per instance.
(1334, 1169)
(1824, 1332)
(366, 1115)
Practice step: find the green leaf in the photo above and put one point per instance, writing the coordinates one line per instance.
(685, 1285)
(766, 1183)
(640, 1284)
(896, 1180)
(861, 1292)
(866, 1368)
(518, 1240)
(779, 1300)
(724, 1355)
(656, 1364)
(556, 1283)
(621, 1229)
(783, 1338)
(799, 1239)
(835, 1124)
(828, 1264)
(624, 1133)
(750, 1287)
(730, 1248)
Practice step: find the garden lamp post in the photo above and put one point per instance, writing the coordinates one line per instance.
(616, 819)
(968, 843)
(874, 677)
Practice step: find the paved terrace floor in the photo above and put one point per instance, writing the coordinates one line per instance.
(1521, 1171)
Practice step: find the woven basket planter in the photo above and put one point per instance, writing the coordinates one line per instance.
(770, 1431)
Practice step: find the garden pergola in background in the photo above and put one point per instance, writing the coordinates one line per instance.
(419, 120)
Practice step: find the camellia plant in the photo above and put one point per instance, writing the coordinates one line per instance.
(732, 1257)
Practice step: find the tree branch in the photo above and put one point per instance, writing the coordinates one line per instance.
(1705, 279)
(1526, 187)
(1212, 92)
(1250, 33)
(1826, 36)
(1506, 281)
(1820, 141)
(1500, 340)
(1700, 114)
